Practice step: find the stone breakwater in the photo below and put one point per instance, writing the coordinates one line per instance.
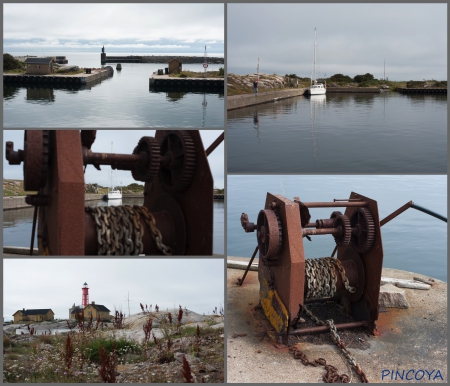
(166, 59)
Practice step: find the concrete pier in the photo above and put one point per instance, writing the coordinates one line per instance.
(353, 90)
(166, 82)
(56, 80)
(245, 100)
(422, 90)
(411, 341)
(18, 202)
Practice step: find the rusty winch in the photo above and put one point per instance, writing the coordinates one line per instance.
(288, 280)
(175, 219)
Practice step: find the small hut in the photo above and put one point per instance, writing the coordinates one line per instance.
(175, 66)
(39, 66)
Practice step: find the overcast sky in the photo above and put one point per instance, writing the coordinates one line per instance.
(124, 142)
(352, 39)
(145, 28)
(197, 284)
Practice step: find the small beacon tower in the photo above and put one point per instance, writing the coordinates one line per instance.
(85, 295)
(103, 56)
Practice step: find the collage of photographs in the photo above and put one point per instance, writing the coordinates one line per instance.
(258, 194)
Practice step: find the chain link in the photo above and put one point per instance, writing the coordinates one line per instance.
(321, 277)
(331, 376)
(156, 234)
(340, 343)
(120, 232)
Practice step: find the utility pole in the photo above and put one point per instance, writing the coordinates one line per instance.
(129, 303)
(385, 69)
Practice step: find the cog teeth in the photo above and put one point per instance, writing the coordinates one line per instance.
(183, 177)
(363, 243)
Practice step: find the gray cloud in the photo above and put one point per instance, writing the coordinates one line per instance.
(352, 39)
(144, 26)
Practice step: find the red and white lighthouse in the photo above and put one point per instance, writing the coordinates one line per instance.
(85, 295)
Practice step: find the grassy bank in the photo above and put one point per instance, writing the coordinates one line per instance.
(243, 84)
(193, 74)
(91, 353)
(13, 188)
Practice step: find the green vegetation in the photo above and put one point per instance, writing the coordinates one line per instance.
(193, 74)
(62, 72)
(9, 63)
(94, 353)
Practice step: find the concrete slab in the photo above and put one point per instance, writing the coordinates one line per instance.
(412, 342)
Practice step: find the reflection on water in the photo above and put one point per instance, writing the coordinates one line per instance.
(348, 133)
(316, 102)
(17, 223)
(120, 101)
(40, 95)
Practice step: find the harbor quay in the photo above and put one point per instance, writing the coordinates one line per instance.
(52, 79)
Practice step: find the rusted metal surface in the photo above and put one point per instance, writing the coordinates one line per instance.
(216, 143)
(367, 308)
(196, 203)
(246, 224)
(287, 272)
(61, 223)
(240, 281)
(178, 199)
(339, 326)
(13, 157)
(353, 278)
(37, 200)
(340, 204)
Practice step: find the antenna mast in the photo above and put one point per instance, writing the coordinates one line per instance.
(128, 302)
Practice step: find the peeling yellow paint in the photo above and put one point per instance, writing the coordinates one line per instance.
(268, 297)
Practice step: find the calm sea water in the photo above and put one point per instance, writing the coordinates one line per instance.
(17, 224)
(123, 100)
(348, 133)
(413, 241)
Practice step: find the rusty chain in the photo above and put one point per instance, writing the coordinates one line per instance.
(321, 277)
(339, 342)
(119, 231)
(332, 374)
(156, 234)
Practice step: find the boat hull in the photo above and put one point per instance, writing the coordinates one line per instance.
(316, 91)
(114, 196)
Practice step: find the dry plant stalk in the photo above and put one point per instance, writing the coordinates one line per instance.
(68, 355)
(107, 369)
(186, 371)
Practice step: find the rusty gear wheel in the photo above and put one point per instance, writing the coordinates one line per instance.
(177, 161)
(342, 221)
(269, 234)
(363, 230)
(146, 173)
(36, 158)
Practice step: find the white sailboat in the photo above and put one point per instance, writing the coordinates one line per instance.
(315, 88)
(113, 193)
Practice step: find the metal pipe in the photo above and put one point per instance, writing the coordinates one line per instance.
(216, 143)
(430, 212)
(339, 326)
(335, 204)
(396, 213)
(408, 205)
(117, 161)
(322, 231)
(241, 281)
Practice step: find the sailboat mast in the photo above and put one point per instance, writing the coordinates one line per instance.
(314, 56)
(257, 71)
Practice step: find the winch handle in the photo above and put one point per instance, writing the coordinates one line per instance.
(408, 205)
